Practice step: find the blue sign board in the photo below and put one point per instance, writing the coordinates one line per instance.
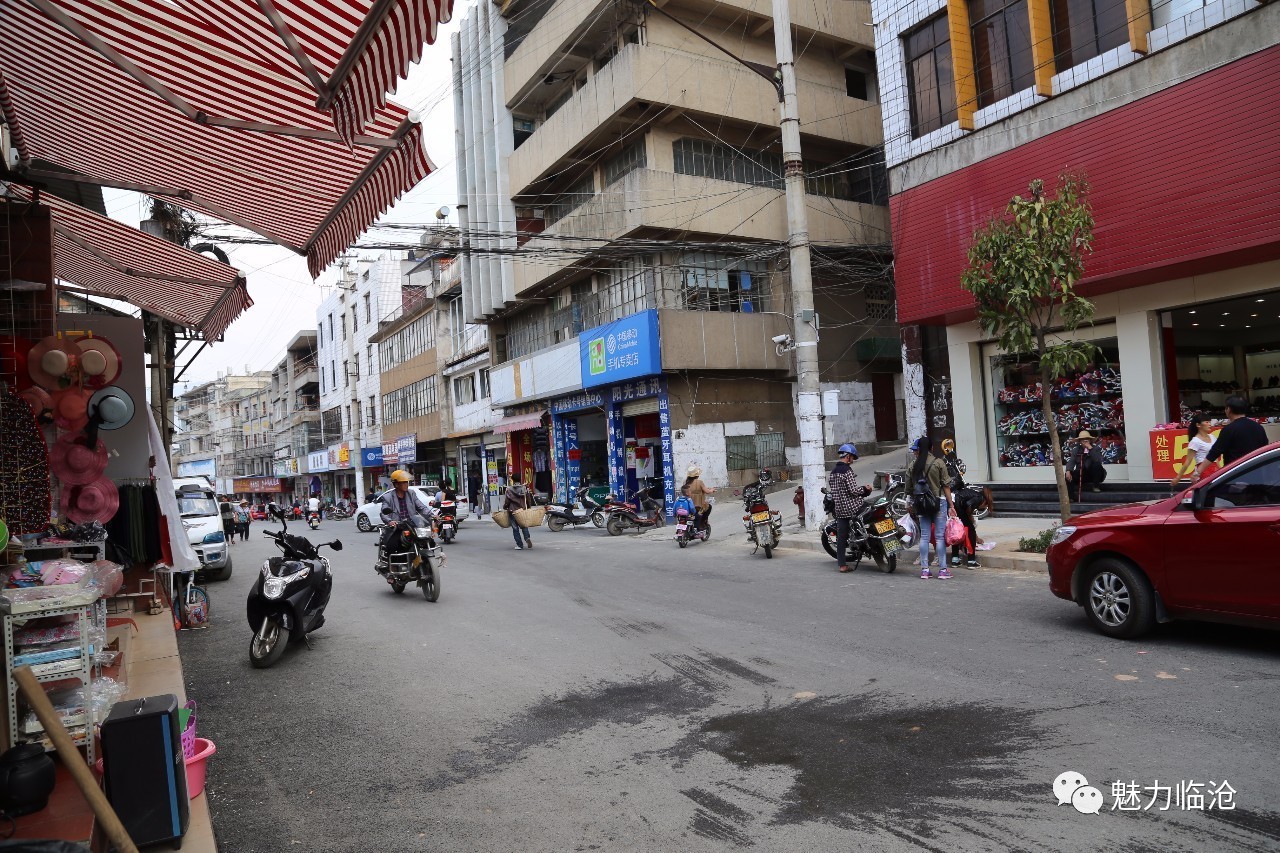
(622, 350)
(407, 449)
(581, 400)
(370, 457)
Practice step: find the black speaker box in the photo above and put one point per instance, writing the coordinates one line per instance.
(145, 774)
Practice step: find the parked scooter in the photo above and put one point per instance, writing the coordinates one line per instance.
(313, 520)
(875, 533)
(289, 596)
(764, 525)
(560, 516)
(415, 558)
(448, 521)
(692, 525)
(643, 513)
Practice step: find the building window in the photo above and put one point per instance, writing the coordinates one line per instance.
(372, 411)
(342, 321)
(879, 301)
(346, 374)
(412, 401)
(464, 390)
(578, 193)
(1083, 29)
(705, 159)
(330, 328)
(1001, 48)
(484, 383)
(714, 282)
(321, 342)
(333, 375)
(355, 415)
(368, 309)
(855, 84)
(373, 362)
(411, 341)
(625, 161)
(930, 80)
(355, 320)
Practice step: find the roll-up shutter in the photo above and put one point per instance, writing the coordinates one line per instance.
(647, 406)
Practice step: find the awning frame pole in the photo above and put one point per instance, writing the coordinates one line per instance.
(371, 23)
(291, 44)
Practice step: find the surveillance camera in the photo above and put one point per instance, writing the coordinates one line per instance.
(781, 339)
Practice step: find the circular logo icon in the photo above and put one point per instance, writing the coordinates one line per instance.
(611, 344)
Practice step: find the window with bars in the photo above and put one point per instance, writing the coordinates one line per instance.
(879, 301)
(1001, 48)
(715, 282)
(411, 341)
(578, 193)
(930, 77)
(411, 401)
(753, 452)
(625, 161)
(859, 177)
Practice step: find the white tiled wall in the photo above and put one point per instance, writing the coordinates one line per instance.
(893, 19)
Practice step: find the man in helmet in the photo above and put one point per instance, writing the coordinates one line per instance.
(401, 504)
(842, 485)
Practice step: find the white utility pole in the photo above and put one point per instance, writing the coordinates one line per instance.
(808, 391)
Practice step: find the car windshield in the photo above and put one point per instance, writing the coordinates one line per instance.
(196, 504)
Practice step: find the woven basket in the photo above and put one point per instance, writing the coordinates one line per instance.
(531, 516)
(188, 736)
(502, 518)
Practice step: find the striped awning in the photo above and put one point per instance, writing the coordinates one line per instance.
(104, 257)
(185, 101)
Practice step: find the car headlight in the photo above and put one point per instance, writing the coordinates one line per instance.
(1062, 534)
(213, 538)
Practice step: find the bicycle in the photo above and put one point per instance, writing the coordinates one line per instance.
(192, 607)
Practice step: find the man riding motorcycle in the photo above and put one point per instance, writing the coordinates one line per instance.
(401, 504)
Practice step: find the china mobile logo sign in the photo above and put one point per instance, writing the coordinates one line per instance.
(1072, 788)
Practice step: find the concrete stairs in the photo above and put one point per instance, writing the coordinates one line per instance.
(1034, 500)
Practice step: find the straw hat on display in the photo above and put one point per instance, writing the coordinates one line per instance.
(38, 399)
(96, 501)
(70, 408)
(50, 360)
(99, 361)
(74, 463)
(113, 406)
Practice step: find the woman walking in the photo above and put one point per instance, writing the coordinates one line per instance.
(242, 520)
(228, 520)
(1200, 440)
(930, 485)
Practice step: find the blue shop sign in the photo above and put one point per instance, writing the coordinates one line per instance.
(370, 457)
(582, 400)
(622, 350)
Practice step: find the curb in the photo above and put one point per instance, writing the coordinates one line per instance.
(1015, 561)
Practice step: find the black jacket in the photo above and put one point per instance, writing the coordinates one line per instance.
(1238, 438)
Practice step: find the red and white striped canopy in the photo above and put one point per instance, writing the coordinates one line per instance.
(109, 258)
(180, 101)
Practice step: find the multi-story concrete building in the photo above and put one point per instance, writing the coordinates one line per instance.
(227, 432)
(295, 413)
(1170, 111)
(435, 376)
(637, 171)
(348, 373)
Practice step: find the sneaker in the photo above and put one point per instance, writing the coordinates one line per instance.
(519, 547)
(955, 562)
(944, 574)
(971, 563)
(925, 574)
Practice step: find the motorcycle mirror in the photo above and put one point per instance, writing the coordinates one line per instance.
(336, 544)
(276, 512)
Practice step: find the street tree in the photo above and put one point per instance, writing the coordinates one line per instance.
(1023, 270)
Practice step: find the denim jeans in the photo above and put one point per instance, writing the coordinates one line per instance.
(934, 528)
(517, 529)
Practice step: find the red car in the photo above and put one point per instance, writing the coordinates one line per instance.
(1210, 552)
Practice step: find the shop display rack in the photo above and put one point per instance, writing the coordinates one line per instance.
(1089, 400)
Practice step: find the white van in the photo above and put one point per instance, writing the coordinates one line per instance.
(198, 506)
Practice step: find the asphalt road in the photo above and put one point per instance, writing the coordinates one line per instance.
(603, 693)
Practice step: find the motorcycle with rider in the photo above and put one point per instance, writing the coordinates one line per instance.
(408, 550)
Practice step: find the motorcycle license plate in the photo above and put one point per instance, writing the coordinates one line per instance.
(680, 528)
(759, 517)
(885, 526)
(892, 545)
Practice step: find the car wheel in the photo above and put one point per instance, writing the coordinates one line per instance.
(1118, 599)
(362, 523)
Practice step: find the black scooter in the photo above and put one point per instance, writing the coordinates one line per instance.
(288, 599)
(560, 516)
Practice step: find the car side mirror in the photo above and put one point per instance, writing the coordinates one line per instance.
(1196, 499)
(336, 544)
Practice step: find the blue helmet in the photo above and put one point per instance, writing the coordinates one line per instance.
(848, 448)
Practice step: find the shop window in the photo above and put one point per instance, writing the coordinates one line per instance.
(714, 282)
(1083, 29)
(753, 452)
(1001, 48)
(1090, 399)
(930, 78)
(625, 161)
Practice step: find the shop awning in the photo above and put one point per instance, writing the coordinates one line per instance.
(172, 100)
(515, 423)
(109, 258)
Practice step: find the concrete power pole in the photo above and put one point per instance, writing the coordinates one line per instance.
(808, 391)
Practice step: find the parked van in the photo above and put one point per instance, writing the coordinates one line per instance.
(198, 506)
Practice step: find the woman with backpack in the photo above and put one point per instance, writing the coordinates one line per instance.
(930, 497)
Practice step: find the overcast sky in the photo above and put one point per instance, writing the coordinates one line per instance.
(284, 296)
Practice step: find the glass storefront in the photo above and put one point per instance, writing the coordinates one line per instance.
(1091, 399)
